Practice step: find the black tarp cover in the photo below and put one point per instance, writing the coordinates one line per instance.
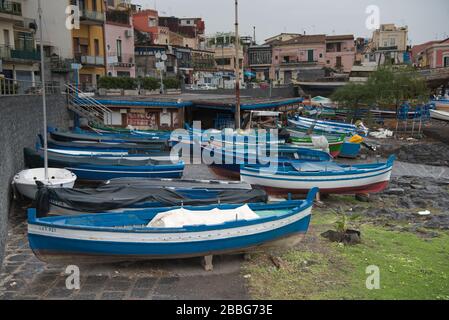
(106, 198)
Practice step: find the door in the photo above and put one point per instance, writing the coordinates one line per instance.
(446, 62)
(338, 64)
(310, 55)
(6, 37)
(287, 77)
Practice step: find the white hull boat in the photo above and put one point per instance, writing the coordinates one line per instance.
(439, 115)
(25, 181)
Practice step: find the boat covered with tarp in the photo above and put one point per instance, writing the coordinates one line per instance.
(172, 232)
(113, 197)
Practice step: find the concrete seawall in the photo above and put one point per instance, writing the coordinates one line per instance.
(20, 122)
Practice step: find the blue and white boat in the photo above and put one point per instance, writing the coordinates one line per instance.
(90, 168)
(330, 177)
(331, 127)
(227, 161)
(166, 233)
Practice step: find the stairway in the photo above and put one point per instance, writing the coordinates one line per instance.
(87, 107)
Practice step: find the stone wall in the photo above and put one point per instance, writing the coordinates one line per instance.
(20, 121)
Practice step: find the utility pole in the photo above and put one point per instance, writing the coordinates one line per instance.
(44, 97)
(237, 67)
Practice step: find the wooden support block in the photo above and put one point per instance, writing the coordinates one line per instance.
(207, 263)
(318, 197)
(247, 256)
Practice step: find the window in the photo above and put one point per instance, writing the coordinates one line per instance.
(6, 37)
(119, 50)
(94, 5)
(392, 42)
(152, 22)
(96, 47)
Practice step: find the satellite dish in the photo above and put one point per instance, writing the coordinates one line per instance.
(164, 57)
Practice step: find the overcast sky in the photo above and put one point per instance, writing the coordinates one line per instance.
(427, 20)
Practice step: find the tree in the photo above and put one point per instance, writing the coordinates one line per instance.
(352, 95)
(387, 85)
(392, 85)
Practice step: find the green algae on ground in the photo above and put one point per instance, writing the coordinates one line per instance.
(411, 267)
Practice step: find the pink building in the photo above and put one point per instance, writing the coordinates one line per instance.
(120, 44)
(340, 52)
(299, 58)
(432, 54)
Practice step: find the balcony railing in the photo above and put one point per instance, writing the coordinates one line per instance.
(92, 15)
(89, 60)
(120, 60)
(11, 87)
(6, 52)
(116, 16)
(11, 7)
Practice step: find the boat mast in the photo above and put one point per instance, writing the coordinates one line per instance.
(237, 67)
(44, 98)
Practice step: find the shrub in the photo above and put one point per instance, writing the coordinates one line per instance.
(172, 83)
(117, 83)
(151, 83)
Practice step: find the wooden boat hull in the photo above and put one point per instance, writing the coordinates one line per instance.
(66, 242)
(371, 180)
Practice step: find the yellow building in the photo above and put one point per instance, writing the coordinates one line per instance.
(88, 42)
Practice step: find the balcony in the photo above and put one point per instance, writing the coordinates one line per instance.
(123, 60)
(10, 7)
(118, 17)
(89, 60)
(92, 17)
(8, 53)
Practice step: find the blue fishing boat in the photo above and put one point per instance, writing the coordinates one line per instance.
(225, 162)
(156, 141)
(99, 169)
(330, 127)
(330, 177)
(166, 233)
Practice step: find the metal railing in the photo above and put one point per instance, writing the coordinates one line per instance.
(88, 107)
(13, 87)
(92, 15)
(11, 7)
(7, 52)
(89, 60)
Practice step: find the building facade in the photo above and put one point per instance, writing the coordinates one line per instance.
(259, 61)
(18, 54)
(89, 42)
(389, 45)
(433, 54)
(119, 43)
(298, 59)
(340, 52)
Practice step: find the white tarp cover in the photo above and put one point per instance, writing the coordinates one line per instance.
(320, 142)
(182, 218)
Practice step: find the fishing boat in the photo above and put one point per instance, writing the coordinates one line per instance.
(109, 198)
(331, 127)
(225, 162)
(165, 233)
(156, 141)
(329, 143)
(103, 147)
(330, 177)
(441, 104)
(439, 115)
(26, 182)
(99, 169)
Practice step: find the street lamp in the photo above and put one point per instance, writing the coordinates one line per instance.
(160, 65)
